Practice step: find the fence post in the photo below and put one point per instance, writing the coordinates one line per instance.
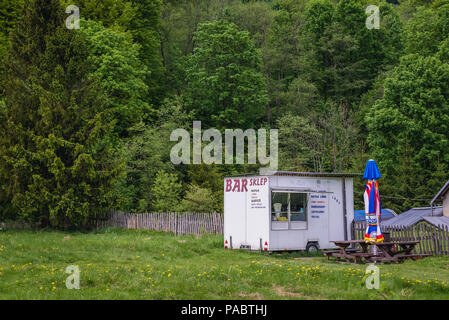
(434, 239)
(446, 240)
(352, 230)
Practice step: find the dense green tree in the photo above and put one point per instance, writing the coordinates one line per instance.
(391, 36)
(408, 128)
(146, 152)
(346, 55)
(180, 20)
(300, 144)
(205, 179)
(324, 143)
(257, 17)
(4, 198)
(146, 29)
(3, 50)
(283, 58)
(165, 192)
(142, 19)
(319, 15)
(198, 199)
(225, 86)
(114, 61)
(117, 14)
(339, 136)
(9, 17)
(57, 166)
(443, 51)
(427, 30)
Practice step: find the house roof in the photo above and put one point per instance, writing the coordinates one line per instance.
(413, 216)
(359, 215)
(438, 221)
(439, 196)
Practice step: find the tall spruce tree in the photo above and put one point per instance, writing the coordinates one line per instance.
(9, 16)
(55, 157)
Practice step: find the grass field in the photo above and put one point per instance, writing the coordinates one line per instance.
(137, 264)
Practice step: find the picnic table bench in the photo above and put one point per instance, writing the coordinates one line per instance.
(386, 251)
(344, 252)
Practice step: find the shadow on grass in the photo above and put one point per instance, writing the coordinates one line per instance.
(295, 254)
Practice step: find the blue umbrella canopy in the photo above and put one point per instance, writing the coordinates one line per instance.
(371, 171)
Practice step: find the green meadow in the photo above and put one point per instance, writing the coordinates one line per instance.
(138, 264)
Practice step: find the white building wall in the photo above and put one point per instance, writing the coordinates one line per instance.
(336, 229)
(246, 211)
(446, 205)
(349, 205)
(234, 224)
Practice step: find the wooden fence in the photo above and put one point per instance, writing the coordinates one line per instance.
(178, 223)
(432, 239)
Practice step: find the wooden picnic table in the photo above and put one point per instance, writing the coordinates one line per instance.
(387, 248)
(349, 253)
(386, 251)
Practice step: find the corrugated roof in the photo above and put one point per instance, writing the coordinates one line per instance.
(300, 174)
(438, 221)
(317, 174)
(412, 216)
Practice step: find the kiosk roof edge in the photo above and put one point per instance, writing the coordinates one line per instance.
(303, 174)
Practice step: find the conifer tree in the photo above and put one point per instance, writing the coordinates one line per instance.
(56, 166)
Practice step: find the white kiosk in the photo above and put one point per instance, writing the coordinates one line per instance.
(288, 210)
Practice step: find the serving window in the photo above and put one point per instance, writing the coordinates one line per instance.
(288, 210)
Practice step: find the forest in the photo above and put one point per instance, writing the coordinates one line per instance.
(86, 113)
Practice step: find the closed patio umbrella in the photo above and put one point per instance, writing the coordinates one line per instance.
(373, 208)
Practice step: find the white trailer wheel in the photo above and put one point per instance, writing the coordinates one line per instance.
(312, 247)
